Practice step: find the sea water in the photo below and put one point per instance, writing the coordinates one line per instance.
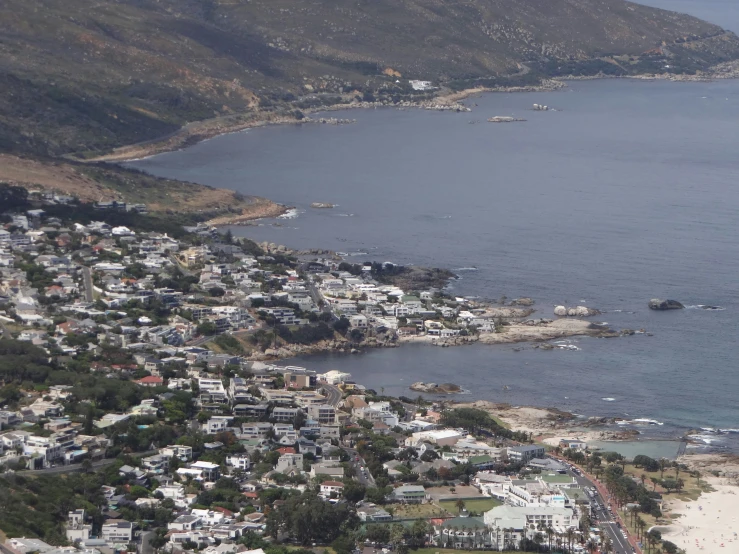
(625, 191)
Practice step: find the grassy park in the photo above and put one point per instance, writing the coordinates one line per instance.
(478, 505)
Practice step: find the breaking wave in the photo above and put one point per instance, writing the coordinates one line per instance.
(292, 213)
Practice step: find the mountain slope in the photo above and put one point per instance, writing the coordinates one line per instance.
(83, 77)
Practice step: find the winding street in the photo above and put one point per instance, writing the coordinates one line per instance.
(333, 394)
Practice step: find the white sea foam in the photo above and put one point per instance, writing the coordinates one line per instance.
(290, 214)
(647, 421)
(705, 439)
(471, 268)
(608, 399)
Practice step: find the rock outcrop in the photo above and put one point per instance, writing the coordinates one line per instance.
(661, 305)
(321, 205)
(434, 388)
(578, 311)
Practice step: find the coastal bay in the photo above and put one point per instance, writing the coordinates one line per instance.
(594, 204)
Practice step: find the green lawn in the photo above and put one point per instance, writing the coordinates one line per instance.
(478, 505)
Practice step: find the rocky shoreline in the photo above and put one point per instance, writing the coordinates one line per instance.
(203, 130)
(444, 101)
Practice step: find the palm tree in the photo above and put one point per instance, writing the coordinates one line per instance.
(570, 534)
(640, 524)
(662, 465)
(460, 506)
(550, 532)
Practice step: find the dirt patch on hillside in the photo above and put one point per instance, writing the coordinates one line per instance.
(97, 184)
(52, 176)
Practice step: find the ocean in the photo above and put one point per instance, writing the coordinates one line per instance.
(624, 191)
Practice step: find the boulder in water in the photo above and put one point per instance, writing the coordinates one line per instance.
(661, 305)
(434, 388)
(578, 311)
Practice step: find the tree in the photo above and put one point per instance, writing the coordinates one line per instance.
(207, 328)
(378, 533)
(669, 484)
(418, 534)
(342, 325)
(158, 541)
(354, 491)
(669, 547)
(663, 462)
(397, 535)
(460, 505)
(377, 495)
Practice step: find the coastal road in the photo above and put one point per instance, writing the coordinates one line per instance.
(606, 521)
(333, 394)
(87, 283)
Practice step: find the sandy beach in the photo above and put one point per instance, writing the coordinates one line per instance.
(708, 525)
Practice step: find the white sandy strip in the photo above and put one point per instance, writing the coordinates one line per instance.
(710, 524)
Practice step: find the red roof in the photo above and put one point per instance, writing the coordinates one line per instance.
(150, 380)
(286, 450)
(332, 484)
(223, 510)
(251, 494)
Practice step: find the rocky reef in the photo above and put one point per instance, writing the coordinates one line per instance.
(578, 311)
(434, 388)
(661, 305)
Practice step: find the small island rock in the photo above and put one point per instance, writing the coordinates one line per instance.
(659, 304)
(321, 205)
(434, 388)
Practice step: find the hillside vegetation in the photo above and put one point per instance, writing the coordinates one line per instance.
(83, 77)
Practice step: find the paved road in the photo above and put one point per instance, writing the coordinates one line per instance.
(71, 468)
(318, 298)
(360, 469)
(87, 282)
(606, 521)
(201, 341)
(144, 547)
(333, 394)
